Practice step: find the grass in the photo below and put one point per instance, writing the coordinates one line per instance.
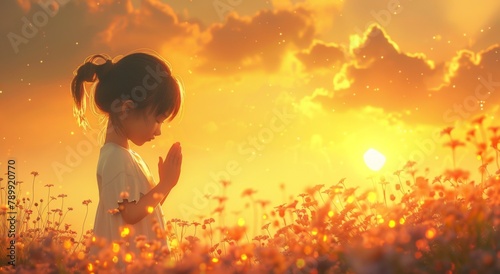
(446, 224)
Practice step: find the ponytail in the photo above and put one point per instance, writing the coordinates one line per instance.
(88, 72)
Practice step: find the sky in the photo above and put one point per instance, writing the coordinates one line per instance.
(277, 93)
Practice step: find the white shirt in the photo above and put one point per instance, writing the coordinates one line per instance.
(123, 170)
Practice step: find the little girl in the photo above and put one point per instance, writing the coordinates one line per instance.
(137, 94)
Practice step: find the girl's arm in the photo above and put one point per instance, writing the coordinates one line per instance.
(133, 212)
(169, 171)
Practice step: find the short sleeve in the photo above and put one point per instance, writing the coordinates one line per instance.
(121, 183)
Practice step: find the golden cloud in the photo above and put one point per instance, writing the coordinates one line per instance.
(257, 42)
(153, 25)
(321, 55)
(381, 75)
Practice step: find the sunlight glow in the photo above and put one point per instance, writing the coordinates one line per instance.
(374, 159)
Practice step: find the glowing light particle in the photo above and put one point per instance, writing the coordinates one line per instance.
(392, 223)
(116, 248)
(308, 250)
(380, 220)
(125, 232)
(67, 244)
(128, 257)
(300, 263)
(241, 222)
(372, 197)
(430, 233)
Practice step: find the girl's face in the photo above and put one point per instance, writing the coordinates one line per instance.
(141, 128)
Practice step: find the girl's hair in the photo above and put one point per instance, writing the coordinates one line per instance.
(144, 78)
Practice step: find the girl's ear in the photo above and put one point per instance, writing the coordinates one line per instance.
(127, 106)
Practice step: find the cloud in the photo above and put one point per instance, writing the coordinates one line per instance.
(321, 55)
(307, 105)
(153, 24)
(381, 75)
(324, 11)
(62, 35)
(257, 42)
(473, 84)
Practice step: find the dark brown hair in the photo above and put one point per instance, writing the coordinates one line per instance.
(144, 78)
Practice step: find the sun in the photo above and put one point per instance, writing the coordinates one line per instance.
(374, 159)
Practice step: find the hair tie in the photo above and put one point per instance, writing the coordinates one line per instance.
(87, 72)
(103, 69)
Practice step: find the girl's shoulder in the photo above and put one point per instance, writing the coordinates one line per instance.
(115, 155)
(113, 148)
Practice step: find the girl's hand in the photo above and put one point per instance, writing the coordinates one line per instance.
(170, 169)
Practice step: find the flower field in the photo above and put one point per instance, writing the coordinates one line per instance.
(446, 224)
